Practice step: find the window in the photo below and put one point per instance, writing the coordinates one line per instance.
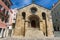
(4, 11)
(13, 25)
(43, 15)
(7, 13)
(6, 20)
(3, 0)
(14, 19)
(56, 19)
(33, 9)
(23, 14)
(0, 30)
(14, 14)
(56, 28)
(6, 2)
(2, 18)
(0, 6)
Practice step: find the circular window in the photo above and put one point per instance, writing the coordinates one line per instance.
(33, 9)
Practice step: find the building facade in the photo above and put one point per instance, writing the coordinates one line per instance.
(34, 18)
(3, 17)
(56, 20)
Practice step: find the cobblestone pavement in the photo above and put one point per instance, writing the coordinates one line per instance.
(10, 38)
(22, 39)
(17, 39)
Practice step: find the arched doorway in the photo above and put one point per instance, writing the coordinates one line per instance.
(34, 21)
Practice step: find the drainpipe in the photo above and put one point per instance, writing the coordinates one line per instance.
(44, 18)
(46, 26)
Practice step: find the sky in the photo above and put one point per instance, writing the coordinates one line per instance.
(23, 3)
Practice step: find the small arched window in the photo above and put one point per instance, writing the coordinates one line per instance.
(24, 15)
(43, 15)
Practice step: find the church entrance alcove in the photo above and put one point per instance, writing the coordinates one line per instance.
(34, 21)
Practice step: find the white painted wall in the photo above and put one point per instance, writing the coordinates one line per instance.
(12, 16)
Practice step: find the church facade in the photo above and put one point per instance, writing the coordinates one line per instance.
(34, 18)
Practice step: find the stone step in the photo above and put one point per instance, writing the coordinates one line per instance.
(34, 33)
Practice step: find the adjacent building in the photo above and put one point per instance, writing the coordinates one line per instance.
(12, 17)
(4, 16)
(56, 20)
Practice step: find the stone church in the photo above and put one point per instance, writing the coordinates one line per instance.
(34, 19)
